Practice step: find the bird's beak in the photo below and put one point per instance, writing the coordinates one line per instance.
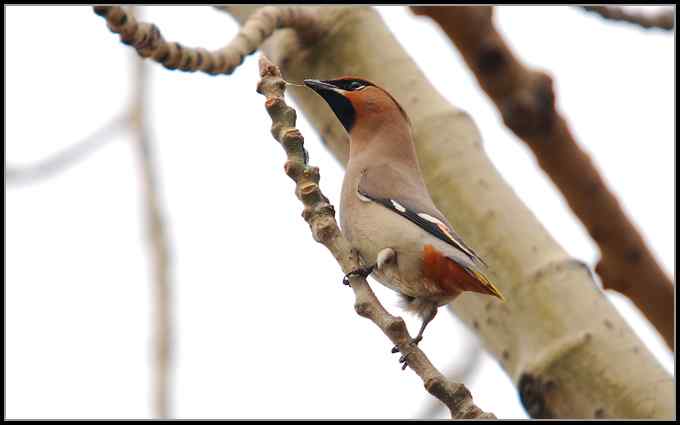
(320, 86)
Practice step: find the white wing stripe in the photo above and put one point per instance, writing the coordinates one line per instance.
(445, 229)
(398, 206)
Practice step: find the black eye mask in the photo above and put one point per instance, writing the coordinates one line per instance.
(341, 106)
(348, 85)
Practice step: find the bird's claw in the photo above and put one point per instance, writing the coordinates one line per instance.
(414, 342)
(362, 271)
(402, 360)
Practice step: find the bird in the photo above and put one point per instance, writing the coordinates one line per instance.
(386, 211)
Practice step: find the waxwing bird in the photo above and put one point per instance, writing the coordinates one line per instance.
(386, 211)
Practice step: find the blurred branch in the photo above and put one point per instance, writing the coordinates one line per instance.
(17, 174)
(147, 39)
(319, 214)
(664, 20)
(526, 100)
(135, 120)
(159, 244)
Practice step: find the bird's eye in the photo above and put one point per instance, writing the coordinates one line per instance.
(355, 85)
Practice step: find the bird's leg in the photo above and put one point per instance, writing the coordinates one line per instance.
(385, 256)
(427, 318)
(362, 271)
(428, 314)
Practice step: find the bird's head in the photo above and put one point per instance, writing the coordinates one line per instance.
(358, 103)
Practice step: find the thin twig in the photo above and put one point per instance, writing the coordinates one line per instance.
(526, 101)
(159, 243)
(319, 214)
(147, 39)
(62, 160)
(664, 20)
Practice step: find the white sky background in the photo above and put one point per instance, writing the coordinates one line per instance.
(264, 326)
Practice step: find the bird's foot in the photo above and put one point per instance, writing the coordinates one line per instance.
(363, 272)
(414, 342)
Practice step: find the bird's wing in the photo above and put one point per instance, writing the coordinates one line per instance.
(407, 196)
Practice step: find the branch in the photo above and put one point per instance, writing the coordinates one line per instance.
(159, 243)
(62, 160)
(319, 214)
(664, 20)
(551, 300)
(526, 100)
(148, 41)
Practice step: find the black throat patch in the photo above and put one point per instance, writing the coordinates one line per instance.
(341, 106)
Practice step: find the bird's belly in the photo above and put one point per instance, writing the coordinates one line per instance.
(375, 228)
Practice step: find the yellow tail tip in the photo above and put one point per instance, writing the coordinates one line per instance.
(490, 286)
(497, 293)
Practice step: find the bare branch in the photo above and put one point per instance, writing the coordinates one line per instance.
(319, 214)
(159, 243)
(147, 39)
(526, 100)
(57, 162)
(664, 20)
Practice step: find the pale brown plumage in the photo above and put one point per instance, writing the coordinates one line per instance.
(386, 211)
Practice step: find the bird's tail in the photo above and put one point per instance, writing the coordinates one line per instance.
(488, 286)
